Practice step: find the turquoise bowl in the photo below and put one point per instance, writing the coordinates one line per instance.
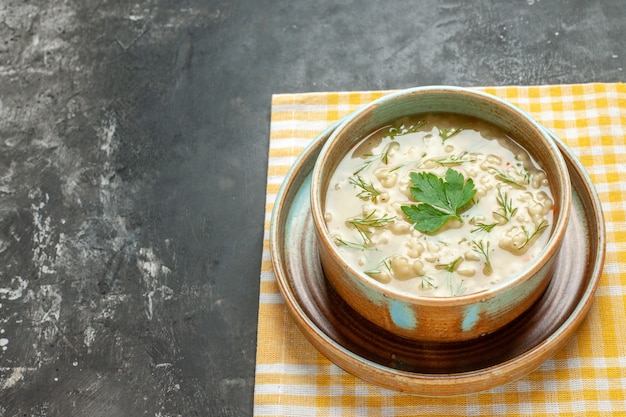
(442, 319)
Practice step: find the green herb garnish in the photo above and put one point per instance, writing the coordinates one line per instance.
(347, 243)
(482, 249)
(507, 178)
(484, 227)
(426, 282)
(506, 206)
(385, 264)
(364, 224)
(456, 286)
(458, 289)
(540, 227)
(385, 155)
(368, 161)
(441, 200)
(451, 266)
(455, 159)
(368, 191)
(399, 131)
(449, 132)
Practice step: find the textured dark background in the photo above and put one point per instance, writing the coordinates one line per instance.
(133, 152)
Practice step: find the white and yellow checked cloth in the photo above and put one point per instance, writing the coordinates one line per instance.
(586, 378)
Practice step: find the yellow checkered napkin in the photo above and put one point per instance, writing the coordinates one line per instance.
(587, 377)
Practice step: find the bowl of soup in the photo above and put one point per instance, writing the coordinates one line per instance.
(439, 212)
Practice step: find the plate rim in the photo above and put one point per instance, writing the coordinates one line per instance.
(449, 384)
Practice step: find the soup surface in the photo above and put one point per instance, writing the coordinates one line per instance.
(439, 205)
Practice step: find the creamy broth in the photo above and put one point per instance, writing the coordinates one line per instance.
(503, 228)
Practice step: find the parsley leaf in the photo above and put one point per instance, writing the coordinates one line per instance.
(441, 199)
(427, 218)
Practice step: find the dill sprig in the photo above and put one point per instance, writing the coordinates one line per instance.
(456, 286)
(416, 163)
(363, 225)
(484, 227)
(455, 159)
(368, 191)
(385, 155)
(426, 282)
(347, 243)
(506, 206)
(449, 132)
(529, 236)
(385, 264)
(525, 174)
(399, 131)
(370, 158)
(397, 168)
(482, 249)
(450, 267)
(507, 178)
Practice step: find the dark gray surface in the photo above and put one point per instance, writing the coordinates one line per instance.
(133, 151)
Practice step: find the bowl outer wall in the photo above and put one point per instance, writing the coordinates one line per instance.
(441, 318)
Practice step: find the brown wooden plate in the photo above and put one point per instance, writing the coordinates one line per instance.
(429, 368)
